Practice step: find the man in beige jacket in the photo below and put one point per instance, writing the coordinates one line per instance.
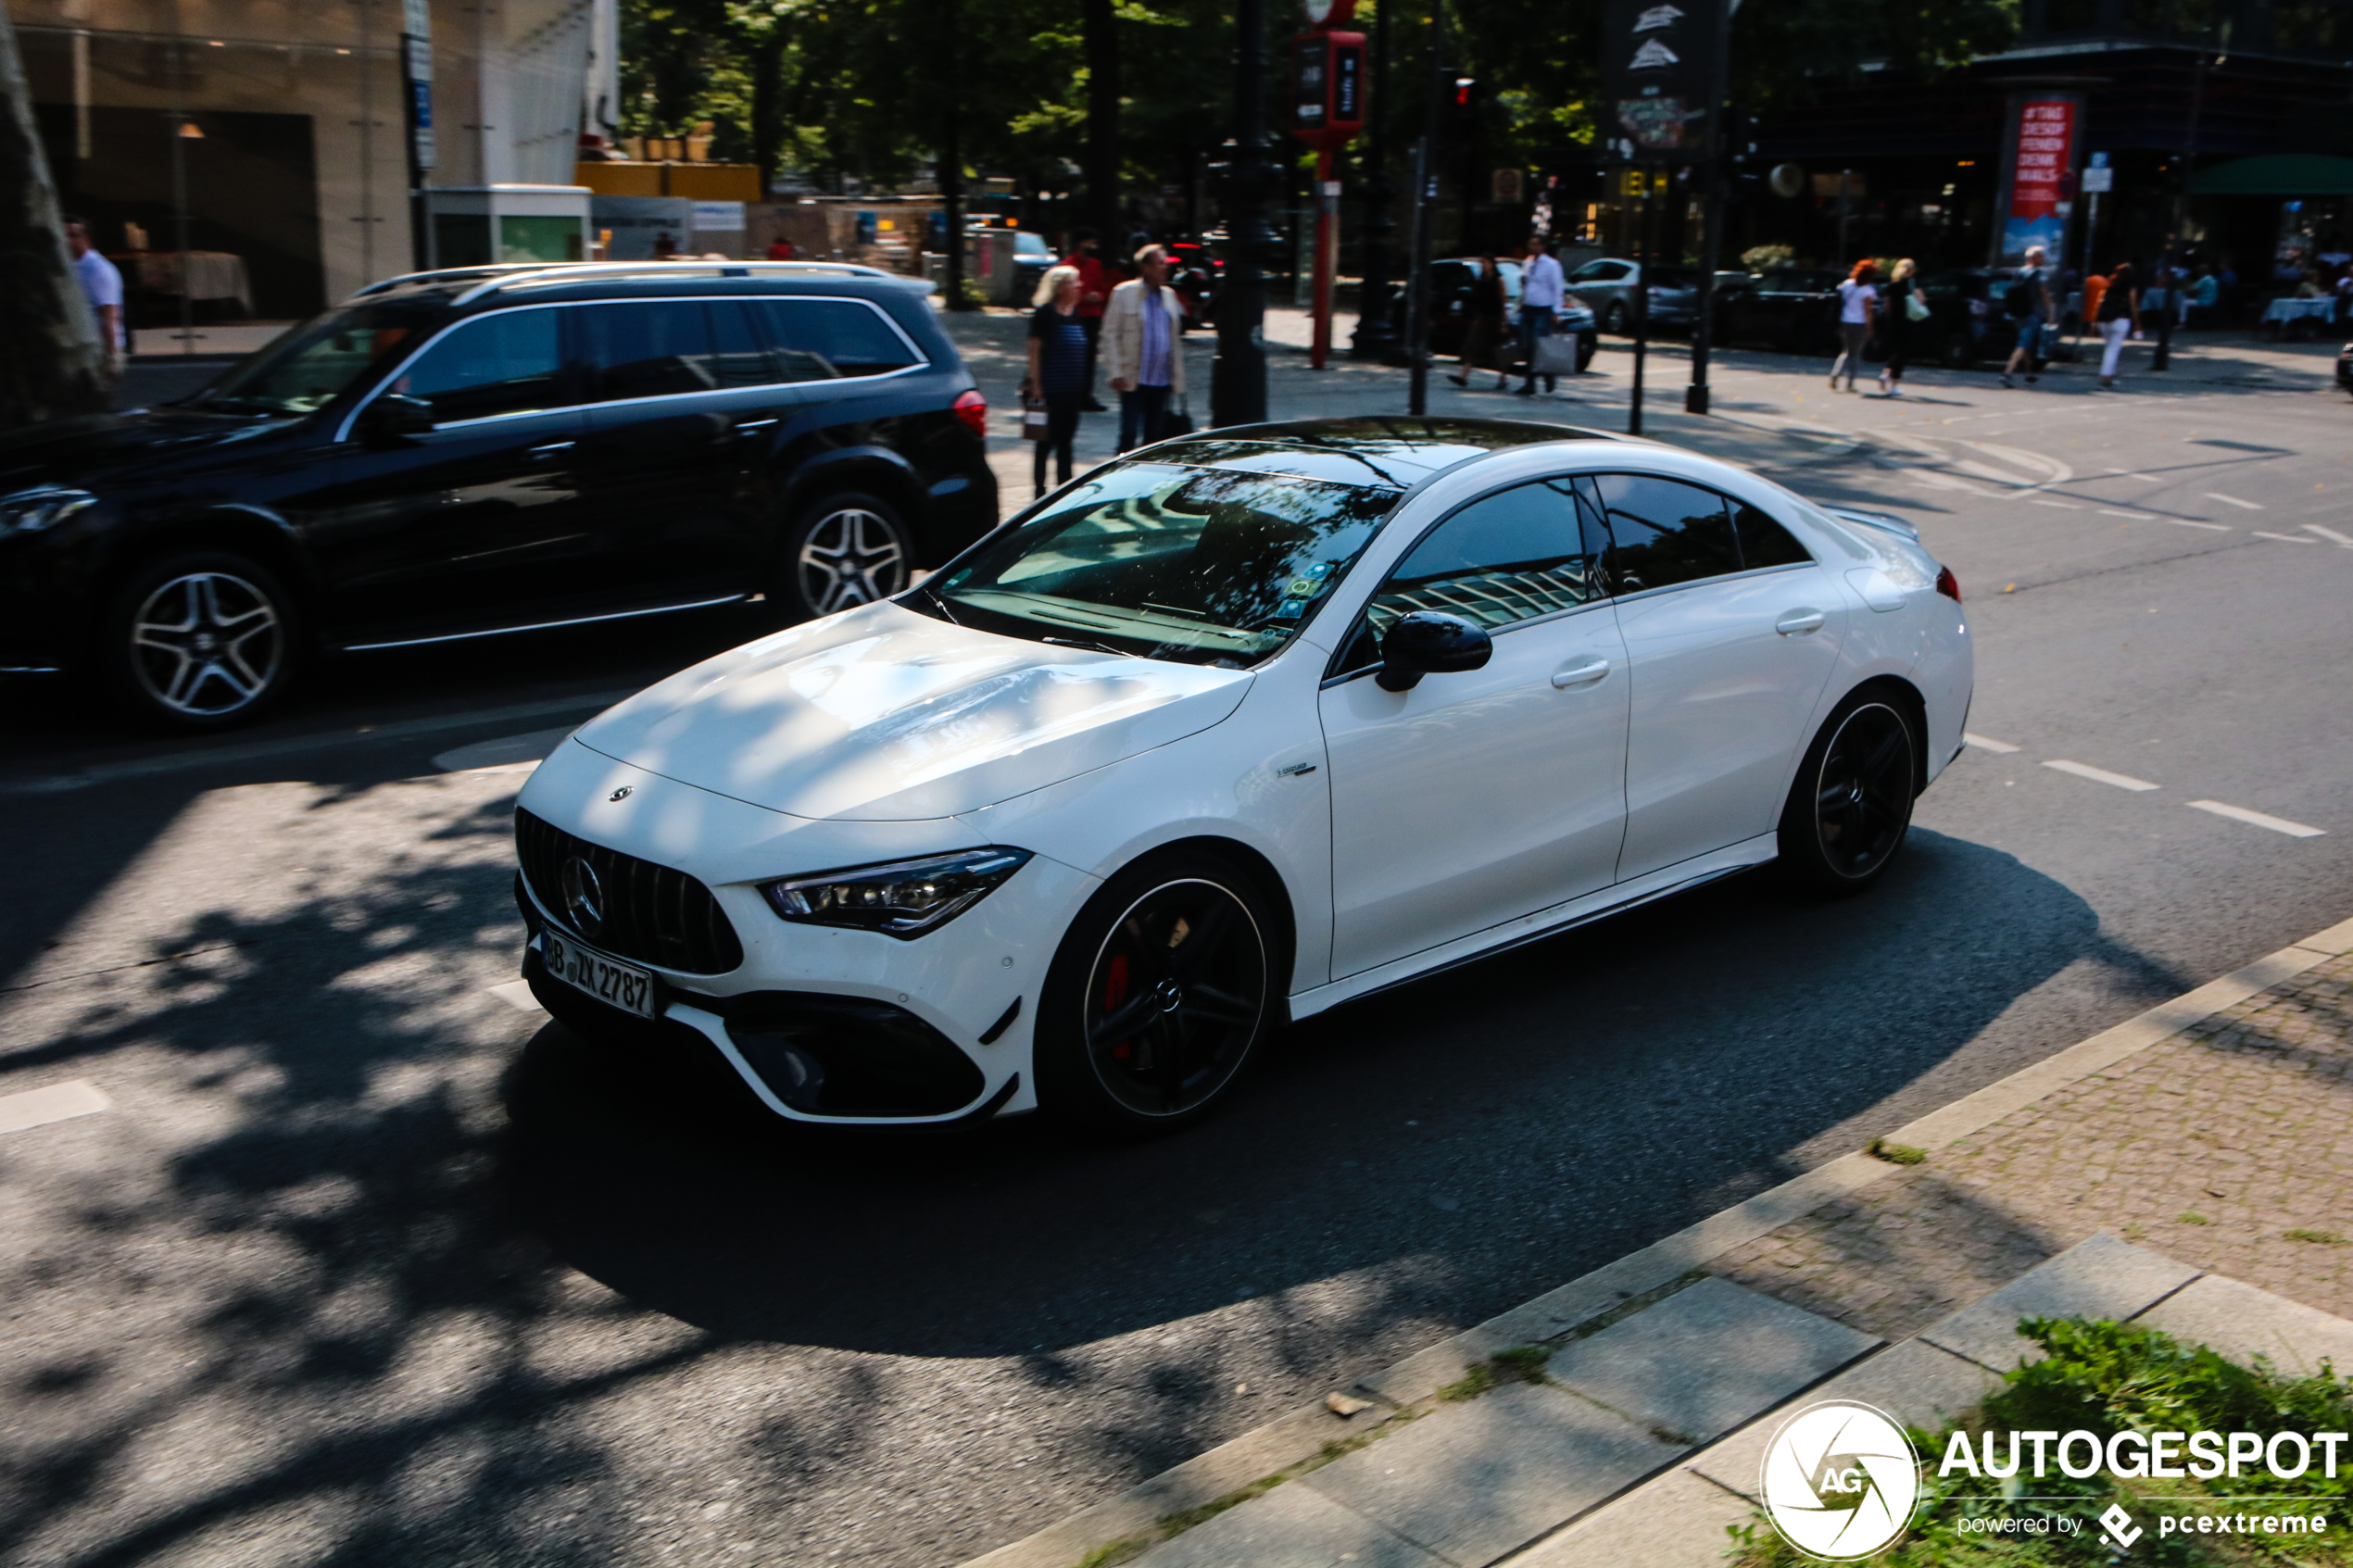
(1143, 347)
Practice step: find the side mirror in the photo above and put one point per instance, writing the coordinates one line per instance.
(396, 415)
(1430, 641)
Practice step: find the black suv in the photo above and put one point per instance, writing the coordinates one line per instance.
(465, 453)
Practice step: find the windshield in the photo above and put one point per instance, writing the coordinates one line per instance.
(312, 365)
(1202, 566)
(1026, 244)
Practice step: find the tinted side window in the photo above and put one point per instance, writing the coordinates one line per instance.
(501, 364)
(845, 337)
(1763, 541)
(1664, 532)
(650, 349)
(1508, 558)
(739, 359)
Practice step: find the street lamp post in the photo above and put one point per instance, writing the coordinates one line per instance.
(1238, 376)
(2168, 273)
(1376, 334)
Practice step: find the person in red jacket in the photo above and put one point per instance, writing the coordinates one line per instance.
(1094, 288)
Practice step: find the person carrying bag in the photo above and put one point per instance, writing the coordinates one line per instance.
(1055, 392)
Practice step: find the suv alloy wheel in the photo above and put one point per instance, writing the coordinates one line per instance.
(848, 549)
(200, 641)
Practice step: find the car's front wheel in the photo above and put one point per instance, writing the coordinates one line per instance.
(1851, 806)
(1158, 997)
(199, 641)
(846, 549)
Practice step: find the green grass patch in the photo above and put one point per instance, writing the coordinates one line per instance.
(2191, 1217)
(2103, 1377)
(1898, 1153)
(1477, 1379)
(2318, 1238)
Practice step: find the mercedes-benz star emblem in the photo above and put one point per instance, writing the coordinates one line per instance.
(583, 897)
(623, 792)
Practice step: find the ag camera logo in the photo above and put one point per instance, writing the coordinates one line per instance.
(1840, 1480)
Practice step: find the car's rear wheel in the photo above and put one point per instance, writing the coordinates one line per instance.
(199, 641)
(846, 549)
(1158, 997)
(1615, 322)
(1851, 806)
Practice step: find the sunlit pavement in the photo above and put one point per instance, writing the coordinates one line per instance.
(359, 1262)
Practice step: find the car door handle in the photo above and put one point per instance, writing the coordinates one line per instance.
(1798, 621)
(750, 425)
(550, 449)
(1581, 674)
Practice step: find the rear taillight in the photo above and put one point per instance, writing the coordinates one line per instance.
(1948, 584)
(972, 409)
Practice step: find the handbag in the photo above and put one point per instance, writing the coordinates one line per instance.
(1555, 355)
(1177, 420)
(1914, 307)
(1033, 419)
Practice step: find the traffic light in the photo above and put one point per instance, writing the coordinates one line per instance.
(1466, 106)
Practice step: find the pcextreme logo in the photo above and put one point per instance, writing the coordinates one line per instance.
(1840, 1480)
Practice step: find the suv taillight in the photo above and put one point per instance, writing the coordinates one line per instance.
(1948, 584)
(972, 409)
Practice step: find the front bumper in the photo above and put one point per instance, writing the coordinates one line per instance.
(822, 1024)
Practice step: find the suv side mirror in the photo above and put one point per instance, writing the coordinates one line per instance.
(1430, 641)
(396, 415)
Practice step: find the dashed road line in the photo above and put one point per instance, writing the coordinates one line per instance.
(2331, 534)
(1986, 742)
(2144, 478)
(58, 1102)
(2101, 775)
(2176, 521)
(2277, 825)
(2285, 538)
(2234, 501)
(2046, 501)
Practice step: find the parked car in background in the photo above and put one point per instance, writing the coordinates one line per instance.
(1790, 309)
(488, 450)
(1967, 322)
(1031, 258)
(1193, 273)
(1453, 284)
(1606, 284)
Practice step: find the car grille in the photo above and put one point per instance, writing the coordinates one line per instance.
(652, 913)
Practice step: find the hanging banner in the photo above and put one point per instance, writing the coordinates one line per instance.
(2042, 140)
(1659, 75)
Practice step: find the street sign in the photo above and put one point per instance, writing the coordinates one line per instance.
(1505, 186)
(1658, 76)
(2099, 177)
(1328, 88)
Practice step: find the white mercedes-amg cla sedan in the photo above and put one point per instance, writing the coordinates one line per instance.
(1223, 732)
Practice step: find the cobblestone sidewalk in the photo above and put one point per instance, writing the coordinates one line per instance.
(2228, 1146)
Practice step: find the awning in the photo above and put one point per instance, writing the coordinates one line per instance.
(2277, 174)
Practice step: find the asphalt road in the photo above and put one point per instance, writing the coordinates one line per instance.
(365, 1264)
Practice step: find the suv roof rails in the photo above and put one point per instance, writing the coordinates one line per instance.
(490, 279)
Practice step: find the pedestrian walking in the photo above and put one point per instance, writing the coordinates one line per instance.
(1904, 306)
(1094, 291)
(2027, 302)
(103, 283)
(2119, 314)
(1858, 318)
(1057, 369)
(1484, 325)
(1141, 348)
(1541, 291)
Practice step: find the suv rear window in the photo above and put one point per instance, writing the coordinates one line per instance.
(819, 339)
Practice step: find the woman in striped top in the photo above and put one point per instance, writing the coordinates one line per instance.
(1057, 368)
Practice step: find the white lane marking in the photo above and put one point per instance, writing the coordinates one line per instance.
(2234, 501)
(2331, 534)
(508, 754)
(2144, 478)
(2101, 775)
(2176, 521)
(2287, 538)
(2277, 825)
(58, 1102)
(517, 995)
(2046, 501)
(1985, 744)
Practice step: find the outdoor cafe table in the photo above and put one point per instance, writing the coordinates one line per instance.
(2290, 314)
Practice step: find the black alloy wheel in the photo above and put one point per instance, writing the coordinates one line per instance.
(1851, 806)
(201, 641)
(1614, 320)
(846, 549)
(1159, 997)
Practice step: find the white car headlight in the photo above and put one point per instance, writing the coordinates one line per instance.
(30, 511)
(903, 898)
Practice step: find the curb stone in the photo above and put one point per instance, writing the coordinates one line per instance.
(1654, 1273)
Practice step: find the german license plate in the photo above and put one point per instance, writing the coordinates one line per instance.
(623, 985)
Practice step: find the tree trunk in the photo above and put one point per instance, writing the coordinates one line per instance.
(52, 364)
(1102, 125)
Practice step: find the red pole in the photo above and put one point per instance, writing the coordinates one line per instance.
(1326, 200)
